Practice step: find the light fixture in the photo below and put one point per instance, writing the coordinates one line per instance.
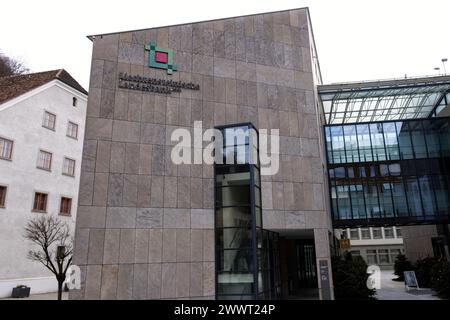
(444, 60)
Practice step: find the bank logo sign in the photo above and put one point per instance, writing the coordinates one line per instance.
(160, 58)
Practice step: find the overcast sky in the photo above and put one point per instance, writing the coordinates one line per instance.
(355, 39)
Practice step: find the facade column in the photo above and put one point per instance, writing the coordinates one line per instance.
(323, 262)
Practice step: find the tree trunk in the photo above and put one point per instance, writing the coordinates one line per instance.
(60, 288)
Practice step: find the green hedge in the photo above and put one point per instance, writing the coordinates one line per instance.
(350, 278)
(431, 273)
(423, 268)
(440, 279)
(401, 264)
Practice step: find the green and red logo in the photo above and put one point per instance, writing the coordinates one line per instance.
(160, 58)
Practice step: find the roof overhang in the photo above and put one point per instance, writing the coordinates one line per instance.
(384, 100)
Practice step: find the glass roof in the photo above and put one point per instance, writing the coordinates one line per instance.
(384, 100)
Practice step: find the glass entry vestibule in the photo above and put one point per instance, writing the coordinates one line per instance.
(247, 256)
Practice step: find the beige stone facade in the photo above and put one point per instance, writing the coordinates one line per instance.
(145, 227)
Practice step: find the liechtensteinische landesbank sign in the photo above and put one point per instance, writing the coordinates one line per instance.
(159, 58)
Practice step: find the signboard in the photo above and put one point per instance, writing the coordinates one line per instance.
(345, 244)
(147, 84)
(160, 58)
(410, 279)
(325, 279)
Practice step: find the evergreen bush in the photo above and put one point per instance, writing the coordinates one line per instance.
(423, 268)
(350, 278)
(401, 264)
(440, 279)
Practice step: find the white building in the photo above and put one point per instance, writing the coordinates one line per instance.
(379, 246)
(42, 118)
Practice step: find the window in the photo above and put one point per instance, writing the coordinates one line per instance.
(372, 257)
(399, 232)
(394, 254)
(5, 149)
(355, 252)
(40, 202)
(387, 169)
(45, 160)
(389, 233)
(69, 167)
(354, 234)
(383, 255)
(72, 130)
(365, 233)
(2, 196)
(49, 120)
(376, 232)
(74, 101)
(66, 206)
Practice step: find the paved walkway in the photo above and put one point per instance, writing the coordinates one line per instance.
(395, 290)
(43, 296)
(390, 290)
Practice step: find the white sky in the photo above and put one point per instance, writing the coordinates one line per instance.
(355, 39)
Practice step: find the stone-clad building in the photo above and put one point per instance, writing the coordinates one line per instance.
(145, 226)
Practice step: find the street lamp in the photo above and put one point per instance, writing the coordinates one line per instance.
(437, 69)
(444, 60)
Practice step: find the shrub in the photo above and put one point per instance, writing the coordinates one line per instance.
(440, 279)
(350, 278)
(423, 268)
(401, 264)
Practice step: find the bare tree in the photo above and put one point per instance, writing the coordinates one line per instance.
(55, 245)
(10, 66)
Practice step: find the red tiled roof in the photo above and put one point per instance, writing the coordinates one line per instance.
(14, 86)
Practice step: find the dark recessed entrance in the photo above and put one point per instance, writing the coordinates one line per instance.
(299, 269)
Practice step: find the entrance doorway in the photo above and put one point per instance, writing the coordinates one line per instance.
(306, 264)
(298, 267)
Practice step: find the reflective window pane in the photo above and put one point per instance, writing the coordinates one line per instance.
(390, 138)
(351, 144)
(224, 178)
(337, 142)
(376, 135)
(427, 194)
(404, 140)
(371, 196)
(365, 147)
(385, 194)
(413, 196)
(418, 139)
(432, 138)
(233, 217)
(343, 198)
(358, 203)
(234, 238)
(232, 196)
(236, 261)
(398, 193)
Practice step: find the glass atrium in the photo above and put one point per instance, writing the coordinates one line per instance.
(384, 100)
(384, 171)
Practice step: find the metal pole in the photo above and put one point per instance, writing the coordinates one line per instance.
(444, 60)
